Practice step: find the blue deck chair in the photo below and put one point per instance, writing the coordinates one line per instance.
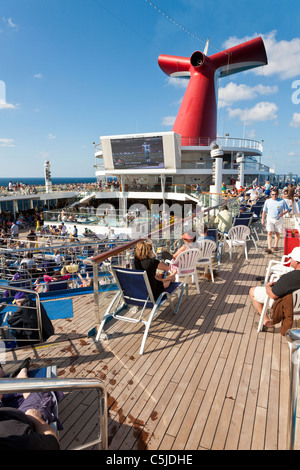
(26, 284)
(135, 291)
(57, 285)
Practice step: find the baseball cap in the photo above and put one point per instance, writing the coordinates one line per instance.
(295, 254)
(18, 296)
(188, 236)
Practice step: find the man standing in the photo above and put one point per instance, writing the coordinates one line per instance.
(14, 230)
(274, 209)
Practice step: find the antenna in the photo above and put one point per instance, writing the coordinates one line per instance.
(206, 47)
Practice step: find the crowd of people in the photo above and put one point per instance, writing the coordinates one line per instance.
(19, 188)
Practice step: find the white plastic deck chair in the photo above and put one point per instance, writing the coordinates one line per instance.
(237, 236)
(135, 291)
(269, 302)
(186, 264)
(207, 249)
(278, 267)
(248, 222)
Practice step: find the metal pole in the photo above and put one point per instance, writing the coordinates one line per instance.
(293, 337)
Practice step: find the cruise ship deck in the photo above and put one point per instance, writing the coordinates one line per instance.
(207, 379)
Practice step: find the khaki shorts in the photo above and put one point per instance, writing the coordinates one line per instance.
(274, 225)
(260, 294)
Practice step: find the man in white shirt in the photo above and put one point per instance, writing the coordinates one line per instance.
(14, 230)
(63, 230)
(273, 211)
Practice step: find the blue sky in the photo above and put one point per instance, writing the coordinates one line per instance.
(73, 70)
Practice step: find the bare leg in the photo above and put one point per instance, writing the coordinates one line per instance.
(23, 375)
(270, 236)
(277, 237)
(259, 307)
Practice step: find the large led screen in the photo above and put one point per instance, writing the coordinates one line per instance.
(138, 153)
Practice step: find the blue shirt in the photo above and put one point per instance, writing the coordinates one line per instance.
(273, 207)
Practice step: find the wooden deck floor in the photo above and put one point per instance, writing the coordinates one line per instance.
(207, 379)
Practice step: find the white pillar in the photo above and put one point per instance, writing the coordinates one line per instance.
(217, 153)
(240, 158)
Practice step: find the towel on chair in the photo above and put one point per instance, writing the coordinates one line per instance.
(282, 310)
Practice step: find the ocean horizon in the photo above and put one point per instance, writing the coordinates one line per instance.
(41, 181)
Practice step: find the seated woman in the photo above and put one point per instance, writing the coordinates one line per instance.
(145, 260)
(63, 276)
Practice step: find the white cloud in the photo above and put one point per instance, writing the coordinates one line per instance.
(10, 24)
(295, 122)
(283, 56)
(233, 92)
(7, 143)
(51, 136)
(178, 82)
(263, 111)
(168, 120)
(38, 75)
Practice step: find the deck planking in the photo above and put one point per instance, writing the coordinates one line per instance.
(207, 379)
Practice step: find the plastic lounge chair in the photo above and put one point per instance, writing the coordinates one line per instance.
(135, 293)
(237, 236)
(253, 221)
(269, 302)
(278, 267)
(207, 249)
(248, 222)
(186, 264)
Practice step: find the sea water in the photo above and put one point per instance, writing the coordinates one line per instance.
(41, 181)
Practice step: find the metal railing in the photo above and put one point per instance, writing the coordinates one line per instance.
(230, 142)
(293, 337)
(63, 385)
(5, 329)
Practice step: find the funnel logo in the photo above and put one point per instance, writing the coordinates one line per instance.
(296, 94)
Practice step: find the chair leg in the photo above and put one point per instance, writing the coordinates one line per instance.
(100, 330)
(145, 337)
(197, 283)
(211, 272)
(262, 316)
(252, 238)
